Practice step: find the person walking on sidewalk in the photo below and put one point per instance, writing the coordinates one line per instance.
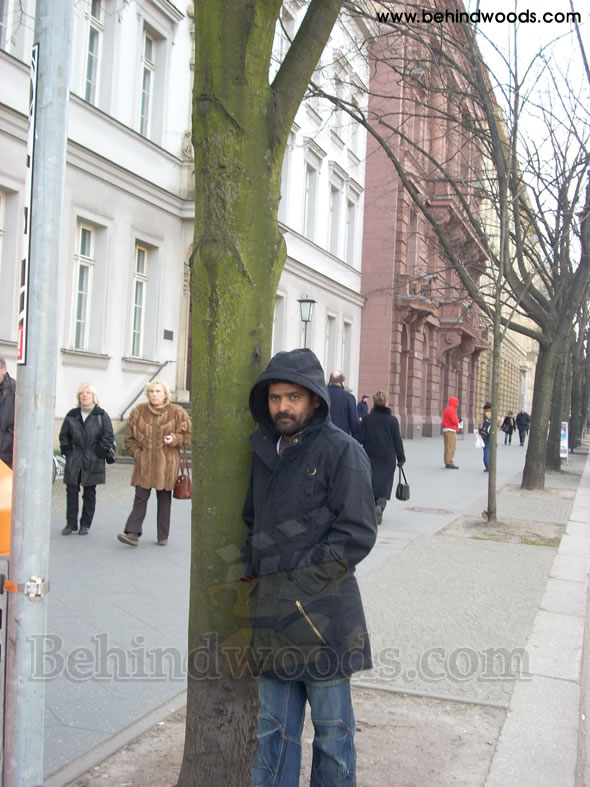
(310, 516)
(86, 440)
(156, 432)
(450, 427)
(362, 407)
(7, 401)
(483, 427)
(342, 405)
(508, 426)
(381, 438)
(523, 421)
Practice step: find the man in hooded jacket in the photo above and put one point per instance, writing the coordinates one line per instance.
(310, 515)
(450, 427)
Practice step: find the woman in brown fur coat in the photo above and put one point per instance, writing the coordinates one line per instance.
(156, 432)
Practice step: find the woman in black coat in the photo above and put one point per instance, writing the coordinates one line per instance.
(381, 439)
(86, 440)
(508, 426)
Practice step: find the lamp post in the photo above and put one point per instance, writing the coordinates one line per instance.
(306, 310)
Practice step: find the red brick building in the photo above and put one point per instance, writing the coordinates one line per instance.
(421, 334)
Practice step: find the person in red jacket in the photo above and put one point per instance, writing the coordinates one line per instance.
(450, 427)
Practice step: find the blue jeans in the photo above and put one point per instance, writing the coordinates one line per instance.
(277, 762)
(486, 453)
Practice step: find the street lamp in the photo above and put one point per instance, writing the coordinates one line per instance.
(306, 310)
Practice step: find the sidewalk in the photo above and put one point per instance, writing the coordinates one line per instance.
(490, 629)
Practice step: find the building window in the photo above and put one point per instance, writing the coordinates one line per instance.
(8, 270)
(3, 23)
(285, 173)
(412, 250)
(311, 190)
(316, 78)
(284, 34)
(353, 143)
(140, 281)
(147, 84)
(351, 210)
(83, 272)
(339, 114)
(2, 223)
(278, 325)
(330, 348)
(95, 33)
(335, 208)
(346, 348)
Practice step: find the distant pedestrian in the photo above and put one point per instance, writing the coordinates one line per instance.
(380, 437)
(156, 432)
(450, 427)
(508, 426)
(342, 405)
(7, 400)
(483, 427)
(86, 440)
(362, 407)
(523, 422)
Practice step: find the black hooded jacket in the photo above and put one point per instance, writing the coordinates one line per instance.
(86, 445)
(7, 399)
(310, 514)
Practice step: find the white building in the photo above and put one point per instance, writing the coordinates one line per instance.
(128, 207)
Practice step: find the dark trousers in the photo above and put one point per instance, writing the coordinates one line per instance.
(88, 505)
(522, 435)
(137, 515)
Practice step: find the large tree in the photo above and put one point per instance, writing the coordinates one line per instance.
(241, 123)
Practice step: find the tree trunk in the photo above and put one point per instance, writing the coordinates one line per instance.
(533, 476)
(585, 398)
(553, 457)
(240, 129)
(578, 373)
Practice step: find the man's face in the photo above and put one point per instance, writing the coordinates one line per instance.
(291, 407)
(2, 373)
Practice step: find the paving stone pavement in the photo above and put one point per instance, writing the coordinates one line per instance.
(452, 617)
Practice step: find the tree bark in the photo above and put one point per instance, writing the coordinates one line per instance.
(553, 455)
(240, 129)
(533, 476)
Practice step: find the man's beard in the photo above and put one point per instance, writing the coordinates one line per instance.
(287, 424)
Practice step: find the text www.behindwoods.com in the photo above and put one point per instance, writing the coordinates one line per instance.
(433, 16)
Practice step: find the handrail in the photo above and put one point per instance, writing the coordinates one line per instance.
(137, 395)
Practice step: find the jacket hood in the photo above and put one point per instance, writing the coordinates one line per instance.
(453, 401)
(299, 366)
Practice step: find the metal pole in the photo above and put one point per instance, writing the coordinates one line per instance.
(35, 402)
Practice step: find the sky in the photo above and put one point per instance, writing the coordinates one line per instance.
(557, 36)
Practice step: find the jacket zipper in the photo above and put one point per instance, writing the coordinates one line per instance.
(316, 631)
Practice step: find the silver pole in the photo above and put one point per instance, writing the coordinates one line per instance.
(35, 402)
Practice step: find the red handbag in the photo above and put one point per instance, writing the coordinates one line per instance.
(183, 488)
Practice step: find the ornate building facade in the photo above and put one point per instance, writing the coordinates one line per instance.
(423, 338)
(421, 333)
